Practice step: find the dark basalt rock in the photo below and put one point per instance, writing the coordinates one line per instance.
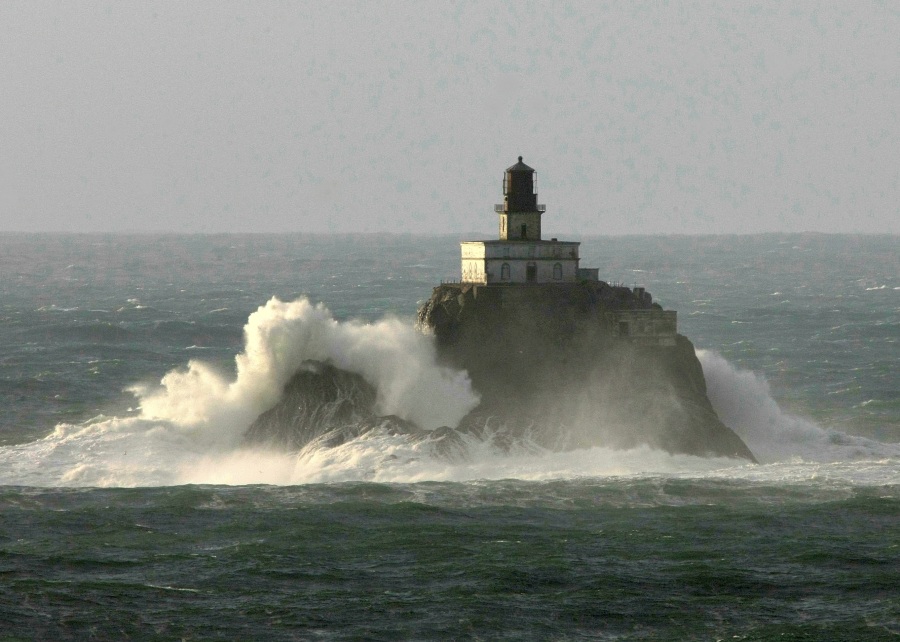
(324, 406)
(318, 400)
(550, 371)
(549, 368)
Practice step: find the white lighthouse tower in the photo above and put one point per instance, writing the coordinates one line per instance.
(520, 256)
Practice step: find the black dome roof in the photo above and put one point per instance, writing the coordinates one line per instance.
(519, 167)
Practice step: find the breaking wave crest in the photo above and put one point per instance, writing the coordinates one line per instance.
(190, 426)
(744, 402)
(398, 361)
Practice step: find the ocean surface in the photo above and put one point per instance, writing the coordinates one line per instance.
(130, 366)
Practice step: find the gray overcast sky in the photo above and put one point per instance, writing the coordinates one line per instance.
(675, 117)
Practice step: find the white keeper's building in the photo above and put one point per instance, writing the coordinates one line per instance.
(520, 256)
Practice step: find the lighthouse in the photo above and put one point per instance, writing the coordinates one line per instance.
(520, 256)
(520, 214)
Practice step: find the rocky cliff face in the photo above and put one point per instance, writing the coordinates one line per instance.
(549, 367)
(323, 407)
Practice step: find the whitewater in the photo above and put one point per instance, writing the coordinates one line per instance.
(188, 428)
(131, 367)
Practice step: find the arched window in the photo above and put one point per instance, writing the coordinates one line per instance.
(504, 272)
(557, 271)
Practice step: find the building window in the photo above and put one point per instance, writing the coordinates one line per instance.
(557, 271)
(504, 272)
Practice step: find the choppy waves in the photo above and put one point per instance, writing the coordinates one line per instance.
(744, 402)
(189, 426)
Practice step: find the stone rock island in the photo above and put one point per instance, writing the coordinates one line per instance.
(560, 359)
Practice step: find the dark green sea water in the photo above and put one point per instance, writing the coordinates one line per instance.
(118, 523)
(570, 559)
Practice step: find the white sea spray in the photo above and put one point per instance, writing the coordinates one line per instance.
(398, 361)
(190, 426)
(743, 400)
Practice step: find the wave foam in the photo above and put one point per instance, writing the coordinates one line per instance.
(744, 402)
(190, 425)
(398, 361)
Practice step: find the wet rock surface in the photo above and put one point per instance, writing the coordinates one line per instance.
(323, 407)
(550, 371)
(549, 367)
